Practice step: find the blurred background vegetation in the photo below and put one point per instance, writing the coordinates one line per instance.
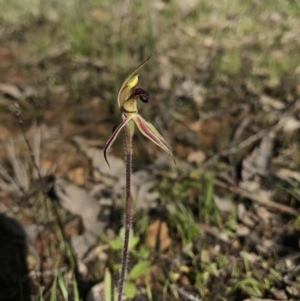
(221, 71)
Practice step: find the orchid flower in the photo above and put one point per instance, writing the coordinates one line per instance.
(127, 102)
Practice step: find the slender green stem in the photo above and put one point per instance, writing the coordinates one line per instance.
(128, 208)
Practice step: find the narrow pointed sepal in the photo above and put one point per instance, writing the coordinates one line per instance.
(114, 136)
(149, 131)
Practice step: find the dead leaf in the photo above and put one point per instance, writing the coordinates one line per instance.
(196, 157)
(244, 216)
(287, 174)
(214, 231)
(83, 243)
(223, 204)
(279, 294)
(242, 230)
(257, 163)
(143, 194)
(260, 196)
(145, 197)
(73, 227)
(117, 165)
(77, 176)
(78, 201)
(269, 103)
(158, 235)
(96, 293)
(264, 214)
(32, 231)
(290, 124)
(11, 90)
(294, 290)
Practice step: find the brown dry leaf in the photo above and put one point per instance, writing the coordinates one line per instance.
(214, 231)
(32, 231)
(269, 103)
(145, 198)
(73, 227)
(294, 290)
(78, 201)
(223, 204)
(263, 197)
(279, 294)
(83, 243)
(96, 293)
(244, 216)
(117, 165)
(158, 235)
(287, 174)
(257, 163)
(264, 214)
(196, 157)
(290, 124)
(260, 196)
(242, 230)
(11, 90)
(77, 176)
(142, 190)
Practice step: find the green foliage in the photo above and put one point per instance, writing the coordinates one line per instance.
(109, 294)
(117, 243)
(129, 289)
(208, 210)
(60, 286)
(203, 277)
(54, 287)
(139, 269)
(185, 223)
(231, 223)
(250, 285)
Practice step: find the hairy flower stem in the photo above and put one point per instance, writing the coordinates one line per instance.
(128, 208)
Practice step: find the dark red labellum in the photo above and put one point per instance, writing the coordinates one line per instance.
(143, 95)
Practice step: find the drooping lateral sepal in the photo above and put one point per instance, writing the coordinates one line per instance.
(114, 136)
(150, 132)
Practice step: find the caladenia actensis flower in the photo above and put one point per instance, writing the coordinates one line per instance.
(127, 101)
(128, 96)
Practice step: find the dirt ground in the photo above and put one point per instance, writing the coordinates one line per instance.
(224, 83)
